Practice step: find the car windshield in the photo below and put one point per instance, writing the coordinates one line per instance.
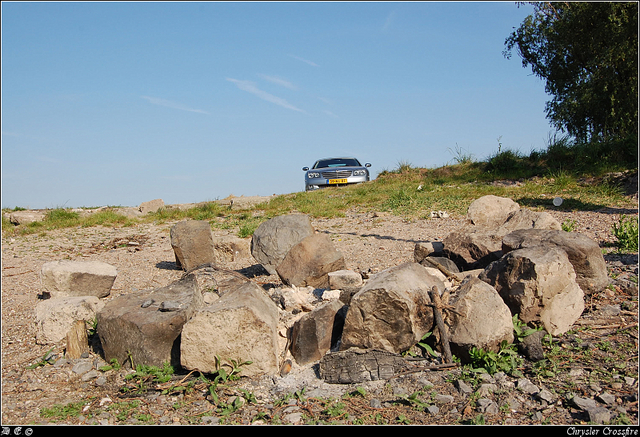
(337, 162)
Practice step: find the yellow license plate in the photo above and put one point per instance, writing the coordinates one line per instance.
(337, 181)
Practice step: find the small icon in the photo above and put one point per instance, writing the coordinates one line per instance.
(17, 430)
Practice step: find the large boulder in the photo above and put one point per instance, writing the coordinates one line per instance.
(26, 217)
(145, 327)
(316, 332)
(478, 245)
(538, 284)
(55, 317)
(78, 278)
(471, 248)
(192, 243)
(151, 206)
(391, 312)
(344, 280)
(309, 262)
(242, 325)
(491, 211)
(481, 319)
(273, 239)
(584, 254)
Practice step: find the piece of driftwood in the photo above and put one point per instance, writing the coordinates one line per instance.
(77, 340)
(444, 336)
(360, 365)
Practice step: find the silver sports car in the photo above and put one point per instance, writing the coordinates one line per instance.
(335, 172)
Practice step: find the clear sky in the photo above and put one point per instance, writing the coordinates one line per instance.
(118, 103)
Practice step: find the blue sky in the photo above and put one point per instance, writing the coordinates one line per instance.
(118, 103)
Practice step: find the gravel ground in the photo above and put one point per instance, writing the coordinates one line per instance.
(600, 365)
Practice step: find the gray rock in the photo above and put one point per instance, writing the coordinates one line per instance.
(388, 312)
(432, 409)
(55, 317)
(486, 389)
(308, 263)
(273, 239)
(192, 243)
(531, 346)
(583, 253)
(26, 217)
(241, 325)
(538, 284)
(82, 366)
(470, 327)
(463, 387)
(344, 280)
(546, 396)
(584, 403)
(599, 415)
(606, 398)
(91, 374)
(527, 386)
(78, 278)
(151, 206)
(491, 211)
(375, 403)
(147, 335)
(444, 399)
(487, 406)
(316, 332)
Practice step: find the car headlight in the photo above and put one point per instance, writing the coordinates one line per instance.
(359, 172)
(313, 175)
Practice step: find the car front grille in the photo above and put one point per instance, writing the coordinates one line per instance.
(336, 174)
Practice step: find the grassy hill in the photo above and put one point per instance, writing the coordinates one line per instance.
(583, 175)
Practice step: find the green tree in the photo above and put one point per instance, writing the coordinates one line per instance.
(587, 52)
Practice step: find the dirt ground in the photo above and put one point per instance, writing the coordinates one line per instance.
(599, 357)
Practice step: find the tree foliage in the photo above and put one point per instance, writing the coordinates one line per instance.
(587, 52)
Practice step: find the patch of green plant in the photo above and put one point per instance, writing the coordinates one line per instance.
(414, 400)
(113, 365)
(46, 359)
(336, 409)
(521, 330)
(569, 225)
(425, 346)
(626, 233)
(224, 373)
(149, 374)
(107, 217)
(122, 410)
(63, 412)
(505, 360)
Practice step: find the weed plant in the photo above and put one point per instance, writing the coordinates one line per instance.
(626, 233)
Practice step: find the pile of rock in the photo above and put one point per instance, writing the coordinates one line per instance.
(507, 261)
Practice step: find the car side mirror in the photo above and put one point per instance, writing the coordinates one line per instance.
(305, 168)
(367, 165)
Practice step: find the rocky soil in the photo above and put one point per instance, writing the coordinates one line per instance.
(590, 374)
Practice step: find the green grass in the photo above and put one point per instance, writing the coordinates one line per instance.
(412, 192)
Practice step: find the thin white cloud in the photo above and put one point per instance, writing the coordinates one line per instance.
(279, 81)
(388, 22)
(173, 105)
(313, 64)
(251, 87)
(330, 114)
